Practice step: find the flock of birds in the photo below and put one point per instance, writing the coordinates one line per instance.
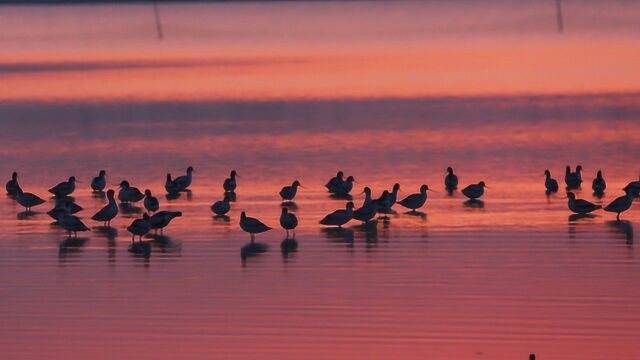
(339, 186)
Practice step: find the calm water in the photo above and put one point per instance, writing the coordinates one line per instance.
(498, 282)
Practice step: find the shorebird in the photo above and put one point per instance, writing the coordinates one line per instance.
(64, 206)
(109, 211)
(415, 201)
(99, 182)
(550, 184)
(620, 204)
(573, 179)
(128, 193)
(12, 185)
(339, 217)
(393, 197)
(634, 187)
(72, 224)
(28, 200)
(344, 188)
(580, 206)
(230, 184)
(170, 186)
(183, 182)
(598, 185)
(365, 213)
(288, 221)
(139, 227)
(333, 183)
(252, 226)
(64, 188)
(151, 202)
(450, 180)
(161, 219)
(289, 192)
(474, 191)
(221, 207)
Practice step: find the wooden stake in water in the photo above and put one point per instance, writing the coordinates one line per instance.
(559, 15)
(158, 23)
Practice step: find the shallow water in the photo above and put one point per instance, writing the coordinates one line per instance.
(500, 281)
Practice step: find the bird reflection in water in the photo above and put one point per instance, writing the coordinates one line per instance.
(71, 245)
(288, 245)
(165, 243)
(221, 219)
(109, 233)
(419, 214)
(577, 220)
(231, 196)
(252, 249)
(129, 209)
(338, 234)
(291, 205)
(27, 214)
(624, 227)
(474, 204)
(174, 196)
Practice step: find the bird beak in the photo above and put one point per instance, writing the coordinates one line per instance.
(432, 190)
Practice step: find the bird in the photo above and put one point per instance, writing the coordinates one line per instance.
(634, 187)
(415, 201)
(170, 186)
(333, 183)
(450, 180)
(109, 211)
(550, 184)
(161, 219)
(339, 217)
(344, 188)
(367, 211)
(12, 185)
(288, 221)
(64, 188)
(221, 207)
(580, 206)
(252, 226)
(230, 184)
(28, 200)
(289, 192)
(474, 191)
(99, 182)
(388, 198)
(573, 179)
(64, 206)
(183, 182)
(139, 227)
(72, 224)
(151, 202)
(599, 185)
(620, 204)
(128, 193)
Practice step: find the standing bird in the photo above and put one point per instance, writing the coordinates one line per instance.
(368, 210)
(621, 204)
(333, 183)
(288, 221)
(128, 193)
(450, 180)
(171, 186)
(415, 201)
(183, 182)
(474, 191)
(64, 206)
(139, 227)
(151, 202)
(109, 211)
(99, 182)
(339, 217)
(252, 226)
(634, 187)
(573, 179)
(344, 188)
(28, 200)
(64, 188)
(580, 206)
(161, 219)
(598, 185)
(221, 207)
(12, 185)
(289, 192)
(550, 184)
(230, 184)
(71, 223)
